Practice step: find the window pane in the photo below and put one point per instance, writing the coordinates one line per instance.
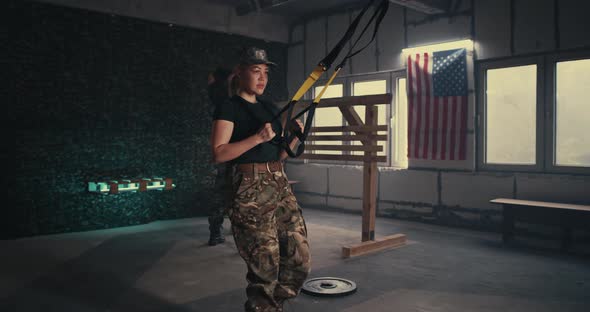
(400, 135)
(511, 101)
(368, 88)
(572, 141)
(334, 91)
(328, 116)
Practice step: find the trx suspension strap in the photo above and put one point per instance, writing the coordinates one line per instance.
(287, 136)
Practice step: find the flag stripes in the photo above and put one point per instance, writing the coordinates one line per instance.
(437, 108)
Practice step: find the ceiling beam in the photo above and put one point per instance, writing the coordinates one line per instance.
(426, 6)
(250, 6)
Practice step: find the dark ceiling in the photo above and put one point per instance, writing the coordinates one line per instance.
(292, 9)
(301, 9)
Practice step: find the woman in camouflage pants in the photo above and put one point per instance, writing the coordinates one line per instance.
(267, 223)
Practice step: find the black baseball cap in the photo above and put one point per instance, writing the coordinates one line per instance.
(253, 55)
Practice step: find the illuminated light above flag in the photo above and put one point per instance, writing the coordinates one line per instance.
(466, 44)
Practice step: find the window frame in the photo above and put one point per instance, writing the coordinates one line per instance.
(546, 111)
(550, 113)
(393, 128)
(481, 124)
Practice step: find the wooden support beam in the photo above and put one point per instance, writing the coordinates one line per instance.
(363, 248)
(349, 129)
(345, 137)
(372, 148)
(370, 181)
(351, 116)
(352, 100)
(342, 157)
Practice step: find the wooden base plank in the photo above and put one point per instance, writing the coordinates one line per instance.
(386, 242)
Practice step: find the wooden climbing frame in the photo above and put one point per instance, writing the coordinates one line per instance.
(367, 133)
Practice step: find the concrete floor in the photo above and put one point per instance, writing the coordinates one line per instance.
(167, 266)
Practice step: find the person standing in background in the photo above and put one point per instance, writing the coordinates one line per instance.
(220, 89)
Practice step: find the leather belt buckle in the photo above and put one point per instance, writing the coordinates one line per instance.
(276, 167)
(273, 166)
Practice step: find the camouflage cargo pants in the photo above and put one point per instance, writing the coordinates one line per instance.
(271, 236)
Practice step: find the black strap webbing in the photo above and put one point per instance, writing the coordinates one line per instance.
(288, 135)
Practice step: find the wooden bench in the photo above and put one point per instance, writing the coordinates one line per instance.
(567, 216)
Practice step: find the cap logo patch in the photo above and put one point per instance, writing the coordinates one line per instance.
(260, 54)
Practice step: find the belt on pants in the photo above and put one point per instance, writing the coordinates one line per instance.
(255, 168)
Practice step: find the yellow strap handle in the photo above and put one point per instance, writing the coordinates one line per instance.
(313, 77)
(319, 96)
(310, 81)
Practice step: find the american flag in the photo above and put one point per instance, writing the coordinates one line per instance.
(437, 105)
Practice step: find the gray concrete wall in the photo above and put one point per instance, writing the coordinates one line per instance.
(445, 197)
(448, 192)
(200, 14)
(491, 26)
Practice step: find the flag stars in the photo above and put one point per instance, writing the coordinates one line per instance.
(449, 74)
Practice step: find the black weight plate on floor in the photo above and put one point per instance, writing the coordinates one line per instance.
(328, 287)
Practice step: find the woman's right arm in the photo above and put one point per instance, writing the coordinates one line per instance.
(224, 151)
